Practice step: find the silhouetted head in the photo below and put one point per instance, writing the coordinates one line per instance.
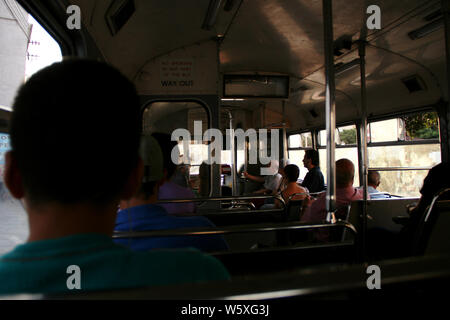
(75, 131)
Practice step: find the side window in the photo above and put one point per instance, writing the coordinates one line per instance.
(13, 226)
(166, 117)
(297, 144)
(25, 48)
(403, 149)
(346, 147)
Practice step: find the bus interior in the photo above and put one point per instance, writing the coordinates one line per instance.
(322, 75)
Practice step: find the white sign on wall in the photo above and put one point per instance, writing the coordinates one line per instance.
(177, 73)
(191, 70)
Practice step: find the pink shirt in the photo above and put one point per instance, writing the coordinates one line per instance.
(317, 211)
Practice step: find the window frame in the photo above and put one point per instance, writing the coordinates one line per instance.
(147, 103)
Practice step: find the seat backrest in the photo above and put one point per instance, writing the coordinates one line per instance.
(341, 213)
(380, 213)
(294, 210)
(294, 206)
(439, 241)
(431, 235)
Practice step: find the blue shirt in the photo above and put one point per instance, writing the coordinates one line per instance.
(41, 266)
(154, 217)
(375, 194)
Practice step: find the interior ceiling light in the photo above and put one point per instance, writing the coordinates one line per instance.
(426, 29)
(211, 14)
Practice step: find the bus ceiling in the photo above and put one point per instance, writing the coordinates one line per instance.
(205, 40)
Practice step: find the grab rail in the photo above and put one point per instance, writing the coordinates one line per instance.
(233, 229)
(231, 198)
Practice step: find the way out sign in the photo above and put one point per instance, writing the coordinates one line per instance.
(177, 73)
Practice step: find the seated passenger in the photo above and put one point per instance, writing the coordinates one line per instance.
(169, 189)
(181, 175)
(249, 186)
(373, 181)
(271, 181)
(313, 181)
(436, 180)
(291, 172)
(345, 194)
(68, 122)
(140, 212)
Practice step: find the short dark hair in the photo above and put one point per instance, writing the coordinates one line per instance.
(313, 155)
(166, 144)
(75, 131)
(373, 178)
(291, 171)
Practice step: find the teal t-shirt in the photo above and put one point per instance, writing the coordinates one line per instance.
(43, 266)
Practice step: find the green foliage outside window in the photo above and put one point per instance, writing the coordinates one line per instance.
(422, 126)
(348, 136)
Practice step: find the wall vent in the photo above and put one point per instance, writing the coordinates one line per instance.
(414, 84)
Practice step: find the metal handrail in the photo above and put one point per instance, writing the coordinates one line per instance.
(435, 198)
(233, 229)
(231, 198)
(298, 194)
(399, 168)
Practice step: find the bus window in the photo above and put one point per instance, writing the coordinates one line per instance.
(405, 147)
(166, 117)
(14, 223)
(346, 147)
(28, 48)
(297, 144)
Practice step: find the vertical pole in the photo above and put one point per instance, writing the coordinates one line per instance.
(233, 157)
(363, 146)
(284, 143)
(445, 7)
(330, 108)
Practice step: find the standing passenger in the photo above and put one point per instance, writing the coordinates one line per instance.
(71, 196)
(314, 178)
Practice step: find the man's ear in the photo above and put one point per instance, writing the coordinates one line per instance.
(134, 180)
(12, 176)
